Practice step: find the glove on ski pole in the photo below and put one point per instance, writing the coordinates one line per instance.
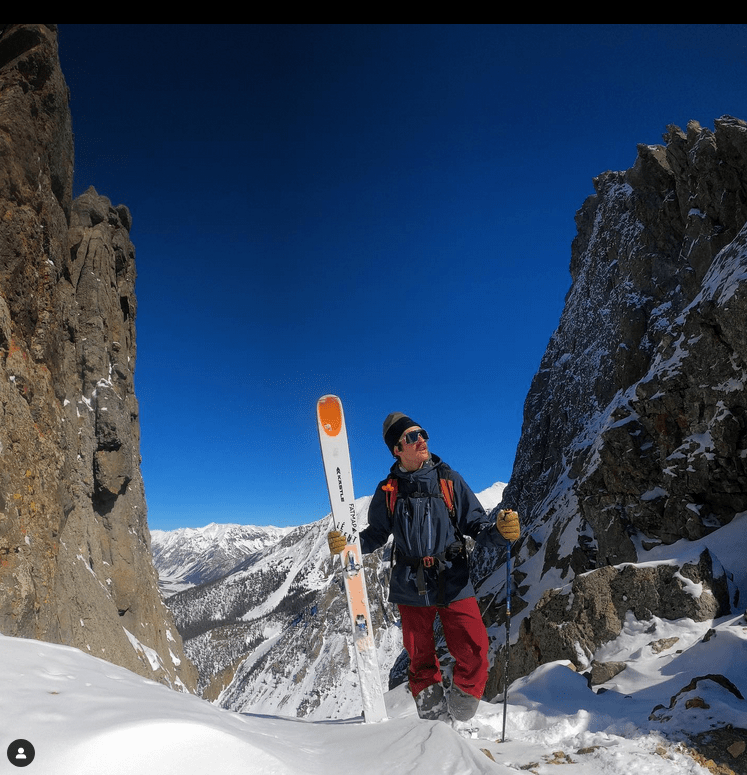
(507, 522)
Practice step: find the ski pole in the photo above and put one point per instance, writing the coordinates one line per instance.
(508, 637)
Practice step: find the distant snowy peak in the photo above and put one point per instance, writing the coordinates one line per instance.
(492, 496)
(222, 535)
(190, 556)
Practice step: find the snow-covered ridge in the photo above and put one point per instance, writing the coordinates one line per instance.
(189, 556)
(491, 496)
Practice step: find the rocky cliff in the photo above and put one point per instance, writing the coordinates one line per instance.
(75, 562)
(635, 426)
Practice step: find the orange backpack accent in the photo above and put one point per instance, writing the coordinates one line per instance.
(391, 489)
(447, 490)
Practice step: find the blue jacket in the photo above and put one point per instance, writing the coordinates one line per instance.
(422, 527)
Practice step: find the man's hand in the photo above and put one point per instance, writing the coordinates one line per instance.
(337, 542)
(507, 522)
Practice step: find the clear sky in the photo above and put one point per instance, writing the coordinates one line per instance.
(382, 212)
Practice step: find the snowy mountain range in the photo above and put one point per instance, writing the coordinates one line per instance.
(188, 557)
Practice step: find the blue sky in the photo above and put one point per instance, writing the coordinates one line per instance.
(382, 212)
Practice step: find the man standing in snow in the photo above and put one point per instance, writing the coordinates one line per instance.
(429, 509)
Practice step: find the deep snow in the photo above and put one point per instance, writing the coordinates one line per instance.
(84, 715)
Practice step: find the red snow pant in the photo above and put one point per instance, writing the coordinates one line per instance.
(466, 639)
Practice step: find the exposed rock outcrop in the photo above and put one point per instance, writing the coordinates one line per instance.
(75, 563)
(572, 623)
(635, 426)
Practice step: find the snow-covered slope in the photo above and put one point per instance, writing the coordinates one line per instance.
(86, 716)
(274, 632)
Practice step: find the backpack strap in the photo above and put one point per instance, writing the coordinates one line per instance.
(447, 490)
(420, 564)
(391, 488)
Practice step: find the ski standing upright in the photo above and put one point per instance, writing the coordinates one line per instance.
(333, 439)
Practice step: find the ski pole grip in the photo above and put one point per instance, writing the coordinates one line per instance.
(507, 522)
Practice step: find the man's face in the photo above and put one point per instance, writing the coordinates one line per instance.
(412, 456)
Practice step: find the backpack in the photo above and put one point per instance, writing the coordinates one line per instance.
(446, 485)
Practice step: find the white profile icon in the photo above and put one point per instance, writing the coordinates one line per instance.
(21, 754)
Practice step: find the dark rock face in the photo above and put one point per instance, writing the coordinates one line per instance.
(640, 363)
(635, 428)
(75, 563)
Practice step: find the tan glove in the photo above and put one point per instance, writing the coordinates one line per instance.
(337, 542)
(507, 522)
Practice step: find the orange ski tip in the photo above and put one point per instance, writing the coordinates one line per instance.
(329, 410)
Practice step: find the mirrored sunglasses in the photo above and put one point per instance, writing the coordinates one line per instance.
(412, 436)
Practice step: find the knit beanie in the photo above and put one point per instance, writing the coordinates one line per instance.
(394, 426)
